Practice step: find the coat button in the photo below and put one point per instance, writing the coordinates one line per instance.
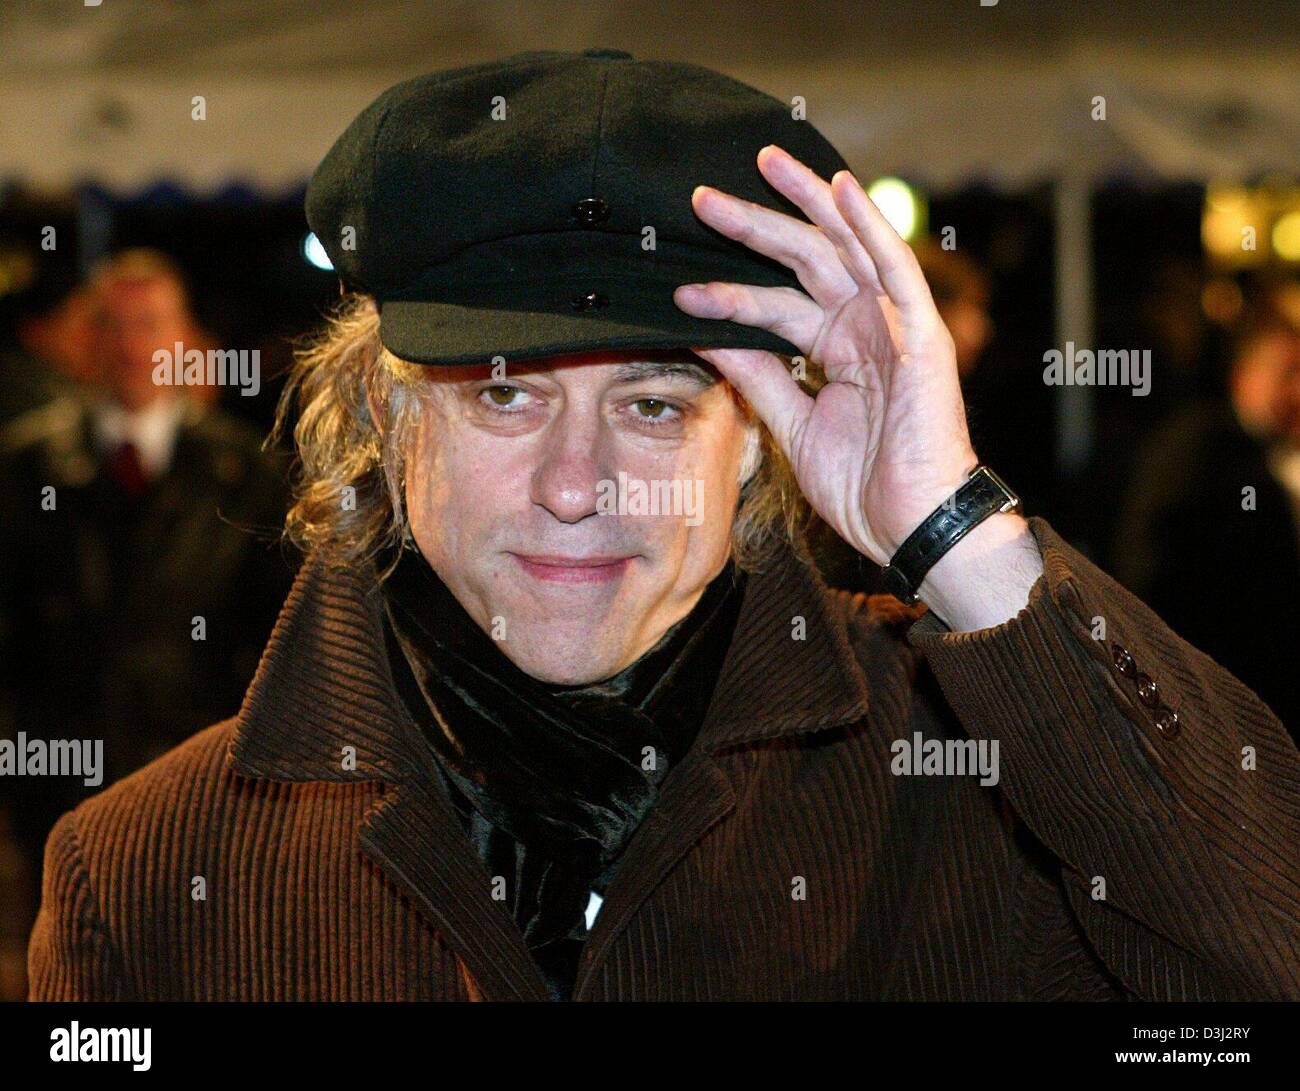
(589, 301)
(1167, 723)
(1124, 663)
(1147, 692)
(591, 210)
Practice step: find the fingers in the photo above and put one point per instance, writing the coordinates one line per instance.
(900, 272)
(812, 194)
(795, 244)
(784, 311)
(867, 248)
(763, 381)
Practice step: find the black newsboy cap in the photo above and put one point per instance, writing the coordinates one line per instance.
(540, 205)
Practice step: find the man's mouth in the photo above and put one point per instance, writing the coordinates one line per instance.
(556, 568)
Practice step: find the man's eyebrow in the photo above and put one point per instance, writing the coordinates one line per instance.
(653, 369)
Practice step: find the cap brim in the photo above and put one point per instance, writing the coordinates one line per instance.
(542, 320)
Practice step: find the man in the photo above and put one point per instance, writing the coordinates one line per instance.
(1218, 491)
(54, 337)
(134, 595)
(556, 709)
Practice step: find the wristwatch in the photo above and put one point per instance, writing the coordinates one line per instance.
(981, 495)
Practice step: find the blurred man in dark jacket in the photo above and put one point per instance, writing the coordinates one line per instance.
(1211, 533)
(48, 345)
(134, 593)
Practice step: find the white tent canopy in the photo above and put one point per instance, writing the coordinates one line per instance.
(957, 92)
(943, 92)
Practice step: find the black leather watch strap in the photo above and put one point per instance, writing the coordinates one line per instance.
(982, 494)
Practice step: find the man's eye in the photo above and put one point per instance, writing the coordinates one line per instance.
(502, 395)
(653, 409)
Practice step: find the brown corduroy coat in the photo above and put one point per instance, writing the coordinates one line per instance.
(785, 858)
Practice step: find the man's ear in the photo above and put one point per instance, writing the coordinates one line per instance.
(751, 457)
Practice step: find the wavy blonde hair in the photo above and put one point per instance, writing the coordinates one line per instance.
(350, 474)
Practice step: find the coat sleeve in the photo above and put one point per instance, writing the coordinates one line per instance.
(1179, 840)
(70, 956)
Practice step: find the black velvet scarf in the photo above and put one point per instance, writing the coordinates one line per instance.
(550, 781)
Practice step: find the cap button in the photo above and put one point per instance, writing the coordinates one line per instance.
(591, 210)
(608, 54)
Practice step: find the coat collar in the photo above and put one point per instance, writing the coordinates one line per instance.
(323, 704)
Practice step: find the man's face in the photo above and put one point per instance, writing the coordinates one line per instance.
(136, 319)
(513, 496)
(1266, 386)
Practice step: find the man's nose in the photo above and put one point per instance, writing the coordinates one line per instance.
(567, 479)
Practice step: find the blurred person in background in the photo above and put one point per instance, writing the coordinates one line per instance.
(1190, 354)
(1188, 347)
(48, 347)
(135, 595)
(960, 288)
(1210, 535)
(64, 337)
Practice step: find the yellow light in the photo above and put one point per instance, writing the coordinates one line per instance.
(898, 203)
(1229, 209)
(1286, 237)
